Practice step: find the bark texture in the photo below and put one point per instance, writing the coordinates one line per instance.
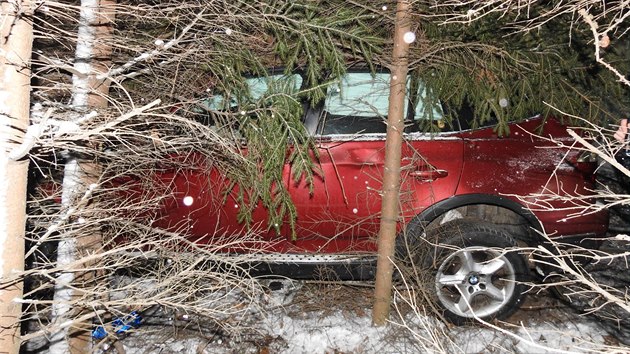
(391, 175)
(15, 47)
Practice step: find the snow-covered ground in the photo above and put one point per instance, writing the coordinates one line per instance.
(330, 318)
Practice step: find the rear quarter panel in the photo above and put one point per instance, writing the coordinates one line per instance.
(532, 169)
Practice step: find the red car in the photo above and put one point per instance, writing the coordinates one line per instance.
(461, 187)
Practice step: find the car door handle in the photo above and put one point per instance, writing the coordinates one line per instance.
(429, 175)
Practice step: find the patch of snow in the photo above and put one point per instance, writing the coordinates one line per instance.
(570, 338)
(87, 117)
(471, 13)
(33, 132)
(37, 110)
(622, 237)
(325, 334)
(450, 216)
(289, 329)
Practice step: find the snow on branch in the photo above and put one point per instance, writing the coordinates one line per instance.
(64, 217)
(72, 130)
(150, 55)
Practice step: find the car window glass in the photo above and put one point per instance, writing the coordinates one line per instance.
(257, 87)
(358, 104)
(428, 113)
(359, 95)
(426, 106)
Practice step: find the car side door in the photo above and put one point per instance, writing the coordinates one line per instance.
(200, 200)
(343, 212)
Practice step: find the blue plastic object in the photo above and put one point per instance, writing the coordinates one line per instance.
(99, 332)
(120, 325)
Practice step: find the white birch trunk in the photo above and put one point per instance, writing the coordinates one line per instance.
(15, 53)
(87, 92)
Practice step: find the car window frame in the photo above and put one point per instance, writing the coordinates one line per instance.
(315, 114)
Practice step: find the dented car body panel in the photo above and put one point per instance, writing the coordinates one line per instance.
(526, 173)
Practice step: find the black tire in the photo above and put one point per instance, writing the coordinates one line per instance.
(476, 272)
(556, 280)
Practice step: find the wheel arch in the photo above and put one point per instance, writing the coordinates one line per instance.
(439, 209)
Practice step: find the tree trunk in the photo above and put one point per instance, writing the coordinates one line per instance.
(15, 44)
(391, 174)
(92, 58)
